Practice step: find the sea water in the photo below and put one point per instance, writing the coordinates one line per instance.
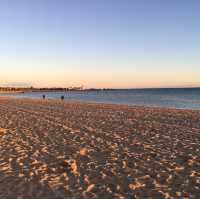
(186, 98)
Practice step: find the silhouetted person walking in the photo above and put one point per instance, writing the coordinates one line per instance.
(62, 97)
(43, 96)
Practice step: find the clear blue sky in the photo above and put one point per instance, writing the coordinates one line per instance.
(100, 43)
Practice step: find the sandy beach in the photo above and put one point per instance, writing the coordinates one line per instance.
(52, 150)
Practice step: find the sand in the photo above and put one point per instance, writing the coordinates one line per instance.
(51, 149)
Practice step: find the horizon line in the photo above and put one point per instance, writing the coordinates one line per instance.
(102, 88)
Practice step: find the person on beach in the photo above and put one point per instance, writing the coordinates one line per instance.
(62, 97)
(43, 96)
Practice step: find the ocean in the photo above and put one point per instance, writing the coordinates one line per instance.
(183, 98)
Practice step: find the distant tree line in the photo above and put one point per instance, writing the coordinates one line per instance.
(53, 89)
(32, 89)
(14, 89)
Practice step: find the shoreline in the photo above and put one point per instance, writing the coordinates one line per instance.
(99, 103)
(11, 92)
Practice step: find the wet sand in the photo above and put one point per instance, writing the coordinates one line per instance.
(54, 150)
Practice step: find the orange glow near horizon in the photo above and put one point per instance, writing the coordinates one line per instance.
(98, 74)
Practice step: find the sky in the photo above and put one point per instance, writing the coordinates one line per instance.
(100, 43)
